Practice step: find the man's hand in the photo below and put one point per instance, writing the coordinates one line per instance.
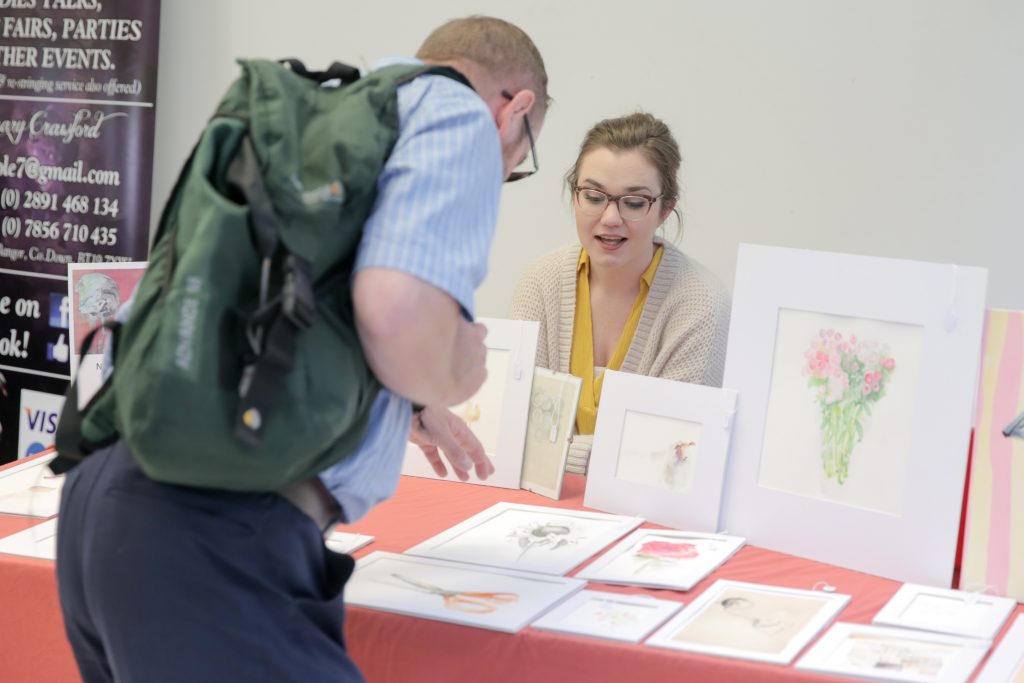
(435, 429)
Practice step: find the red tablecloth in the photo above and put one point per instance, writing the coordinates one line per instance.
(390, 647)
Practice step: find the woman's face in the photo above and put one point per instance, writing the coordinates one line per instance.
(610, 241)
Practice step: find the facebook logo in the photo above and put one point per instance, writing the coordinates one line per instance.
(60, 309)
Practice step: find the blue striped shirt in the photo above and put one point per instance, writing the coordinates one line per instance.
(434, 218)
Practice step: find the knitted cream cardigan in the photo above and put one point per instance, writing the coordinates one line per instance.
(682, 332)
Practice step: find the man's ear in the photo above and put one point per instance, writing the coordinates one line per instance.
(510, 114)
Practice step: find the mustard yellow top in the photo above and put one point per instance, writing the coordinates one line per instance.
(581, 359)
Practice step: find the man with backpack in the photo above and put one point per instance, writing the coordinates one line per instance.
(162, 581)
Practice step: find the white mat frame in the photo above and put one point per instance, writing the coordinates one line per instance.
(519, 339)
(960, 668)
(998, 610)
(650, 613)
(545, 560)
(1008, 657)
(696, 509)
(948, 302)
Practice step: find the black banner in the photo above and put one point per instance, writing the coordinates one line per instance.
(77, 116)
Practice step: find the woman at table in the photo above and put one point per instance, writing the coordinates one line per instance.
(624, 298)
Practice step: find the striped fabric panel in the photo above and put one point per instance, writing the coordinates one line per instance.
(994, 533)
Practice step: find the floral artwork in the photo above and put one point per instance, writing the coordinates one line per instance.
(663, 554)
(848, 375)
(553, 401)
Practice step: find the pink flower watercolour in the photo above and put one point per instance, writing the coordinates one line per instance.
(657, 554)
(847, 376)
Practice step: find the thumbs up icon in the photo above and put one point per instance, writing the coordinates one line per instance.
(61, 350)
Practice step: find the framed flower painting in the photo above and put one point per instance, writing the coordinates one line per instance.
(856, 378)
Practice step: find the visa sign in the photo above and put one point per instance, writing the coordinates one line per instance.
(38, 421)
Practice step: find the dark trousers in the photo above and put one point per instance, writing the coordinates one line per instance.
(169, 584)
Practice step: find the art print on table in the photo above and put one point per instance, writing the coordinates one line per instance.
(553, 401)
(614, 616)
(750, 621)
(1007, 661)
(39, 541)
(945, 610)
(345, 542)
(533, 538)
(486, 597)
(497, 414)
(662, 559)
(856, 376)
(894, 654)
(658, 451)
(840, 409)
(31, 488)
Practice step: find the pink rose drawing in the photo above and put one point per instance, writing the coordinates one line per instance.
(658, 554)
(847, 375)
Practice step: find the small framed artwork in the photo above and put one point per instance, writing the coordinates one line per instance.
(944, 610)
(676, 560)
(553, 402)
(345, 542)
(485, 597)
(659, 450)
(1006, 665)
(527, 537)
(96, 291)
(894, 654)
(39, 541)
(750, 621)
(498, 412)
(30, 488)
(856, 376)
(612, 616)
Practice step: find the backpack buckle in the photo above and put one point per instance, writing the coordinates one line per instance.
(297, 302)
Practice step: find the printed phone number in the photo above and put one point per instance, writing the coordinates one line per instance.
(13, 198)
(33, 169)
(100, 235)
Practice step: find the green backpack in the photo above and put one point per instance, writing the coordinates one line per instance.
(239, 366)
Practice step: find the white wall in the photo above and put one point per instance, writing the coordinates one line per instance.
(881, 127)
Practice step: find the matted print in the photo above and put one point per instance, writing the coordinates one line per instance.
(993, 556)
(662, 559)
(659, 450)
(30, 488)
(893, 654)
(528, 537)
(750, 621)
(96, 291)
(1006, 665)
(840, 409)
(39, 541)
(613, 616)
(485, 597)
(346, 542)
(553, 401)
(497, 414)
(855, 410)
(959, 613)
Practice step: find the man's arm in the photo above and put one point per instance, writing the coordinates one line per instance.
(415, 338)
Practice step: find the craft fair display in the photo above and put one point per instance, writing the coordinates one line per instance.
(553, 401)
(527, 537)
(660, 450)
(943, 610)
(611, 616)
(856, 377)
(486, 597)
(498, 412)
(750, 621)
(894, 654)
(654, 558)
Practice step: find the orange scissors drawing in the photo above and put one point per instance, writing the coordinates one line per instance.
(471, 603)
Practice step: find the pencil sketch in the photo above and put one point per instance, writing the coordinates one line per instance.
(658, 451)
